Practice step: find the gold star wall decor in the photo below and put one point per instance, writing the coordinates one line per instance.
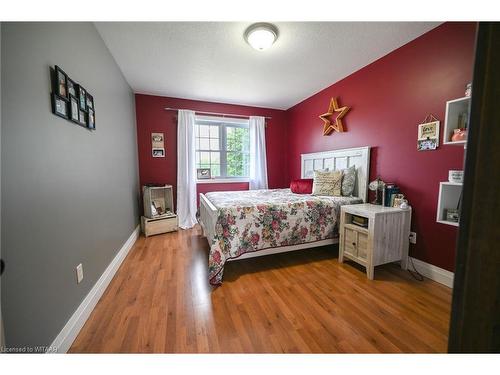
(329, 126)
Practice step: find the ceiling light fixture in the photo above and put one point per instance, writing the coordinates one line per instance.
(261, 36)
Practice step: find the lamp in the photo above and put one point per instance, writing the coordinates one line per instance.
(261, 35)
(376, 186)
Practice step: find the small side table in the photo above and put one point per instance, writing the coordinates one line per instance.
(384, 240)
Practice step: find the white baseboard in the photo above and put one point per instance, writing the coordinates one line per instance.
(432, 272)
(70, 331)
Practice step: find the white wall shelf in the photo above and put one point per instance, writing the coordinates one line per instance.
(453, 110)
(449, 197)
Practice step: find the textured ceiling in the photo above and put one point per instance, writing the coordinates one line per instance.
(211, 61)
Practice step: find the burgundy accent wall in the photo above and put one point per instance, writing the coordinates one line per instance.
(388, 99)
(152, 117)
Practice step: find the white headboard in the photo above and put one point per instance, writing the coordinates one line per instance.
(341, 159)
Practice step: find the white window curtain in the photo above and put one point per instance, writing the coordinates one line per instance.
(258, 162)
(186, 167)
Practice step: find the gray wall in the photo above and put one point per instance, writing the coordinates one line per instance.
(69, 195)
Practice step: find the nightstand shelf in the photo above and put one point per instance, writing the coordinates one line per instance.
(385, 240)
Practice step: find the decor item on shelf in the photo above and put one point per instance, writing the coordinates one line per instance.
(397, 200)
(404, 205)
(329, 126)
(390, 191)
(462, 120)
(360, 221)
(158, 152)
(452, 215)
(459, 135)
(428, 134)
(203, 174)
(79, 104)
(468, 90)
(158, 201)
(456, 176)
(378, 187)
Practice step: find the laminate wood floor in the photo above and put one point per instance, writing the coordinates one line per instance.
(297, 302)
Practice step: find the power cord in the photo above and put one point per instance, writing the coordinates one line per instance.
(416, 275)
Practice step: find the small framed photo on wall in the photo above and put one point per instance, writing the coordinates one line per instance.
(61, 88)
(82, 98)
(59, 106)
(71, 87)
(90, 101)
(91, 119)
(428, 136)
(82, 118)
(73, 109)
(158, 152)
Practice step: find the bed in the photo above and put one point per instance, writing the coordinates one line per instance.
(245, 224)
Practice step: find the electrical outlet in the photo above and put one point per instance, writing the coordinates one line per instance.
(413, 237)
(79, 273)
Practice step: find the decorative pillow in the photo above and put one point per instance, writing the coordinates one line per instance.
(302, 186)
(327, 183)
(348, 181)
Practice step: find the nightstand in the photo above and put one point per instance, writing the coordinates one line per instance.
(385, 239)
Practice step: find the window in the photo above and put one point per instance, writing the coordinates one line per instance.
(223, 145)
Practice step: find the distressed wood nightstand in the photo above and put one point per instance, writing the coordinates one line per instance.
(384, 240)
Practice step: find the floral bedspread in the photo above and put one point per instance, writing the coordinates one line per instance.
(259, 219)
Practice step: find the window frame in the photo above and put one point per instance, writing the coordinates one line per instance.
(222, 123)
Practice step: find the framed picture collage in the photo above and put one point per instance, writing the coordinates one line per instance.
(71, 101)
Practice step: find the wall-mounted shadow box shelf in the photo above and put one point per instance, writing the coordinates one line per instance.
(449, 197)
(454, 108)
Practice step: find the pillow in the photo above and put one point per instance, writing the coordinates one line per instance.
(327, 183)
(302, 186)
(348, 181)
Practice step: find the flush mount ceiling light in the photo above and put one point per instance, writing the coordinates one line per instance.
(261, 36)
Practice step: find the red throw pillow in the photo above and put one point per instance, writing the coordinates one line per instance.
(302, 186)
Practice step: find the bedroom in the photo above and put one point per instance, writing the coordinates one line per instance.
(183, 191)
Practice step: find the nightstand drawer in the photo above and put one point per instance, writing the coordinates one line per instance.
(362, 245)
(350, 242)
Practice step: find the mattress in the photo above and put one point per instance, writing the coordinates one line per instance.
(248, 221)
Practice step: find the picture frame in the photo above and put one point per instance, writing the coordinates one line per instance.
(82, 97)
(91, 119)
(398, 200)
(158, 152)
(59, 106)
(89, 101)
(82, 118)
(203, 174)
(74, 114)
(71, 85)
(61, 83)
(428, 136)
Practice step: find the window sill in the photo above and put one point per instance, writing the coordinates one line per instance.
(223, 180)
